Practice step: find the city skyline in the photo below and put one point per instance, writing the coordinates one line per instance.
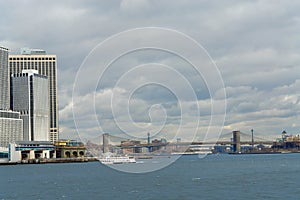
(253, 43)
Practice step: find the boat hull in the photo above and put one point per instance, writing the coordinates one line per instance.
(117, 160)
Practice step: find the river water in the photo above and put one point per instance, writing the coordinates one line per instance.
(273, 176)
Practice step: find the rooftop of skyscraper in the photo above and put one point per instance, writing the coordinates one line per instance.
(3, 48)
(28, 51)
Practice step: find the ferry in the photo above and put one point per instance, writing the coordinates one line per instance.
(192, 153)
(106, 160)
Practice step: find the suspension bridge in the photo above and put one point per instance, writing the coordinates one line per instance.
(136, 145)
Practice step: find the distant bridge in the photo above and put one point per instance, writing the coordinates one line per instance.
(194, 143)
(234, 139)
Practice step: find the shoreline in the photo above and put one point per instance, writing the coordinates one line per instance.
(52, 160)
(93, 159)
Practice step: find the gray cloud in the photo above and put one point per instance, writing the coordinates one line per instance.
(254, 43)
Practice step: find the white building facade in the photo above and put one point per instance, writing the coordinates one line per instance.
(11, 127)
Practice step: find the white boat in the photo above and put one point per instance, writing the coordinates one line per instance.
(192, 153)
(106, 160)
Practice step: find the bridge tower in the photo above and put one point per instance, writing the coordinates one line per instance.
(236, 141)
(252, 138)
(105, 142)
(148, 138)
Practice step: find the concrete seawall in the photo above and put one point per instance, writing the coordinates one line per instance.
(52, 160)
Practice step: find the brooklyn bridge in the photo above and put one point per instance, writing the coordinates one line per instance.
(234, 141)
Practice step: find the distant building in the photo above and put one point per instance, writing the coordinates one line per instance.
(11, 127)
(37, 59)
(29, 96)
(131, 146)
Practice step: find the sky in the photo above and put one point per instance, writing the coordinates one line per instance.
(251, 48)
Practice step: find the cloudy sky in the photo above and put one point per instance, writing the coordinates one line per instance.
(254, 44)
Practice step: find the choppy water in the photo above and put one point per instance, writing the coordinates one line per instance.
(214, 177)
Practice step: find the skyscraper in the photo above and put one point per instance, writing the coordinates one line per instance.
(4, 80)
(29, 96)
(11, 126)
(37, 59)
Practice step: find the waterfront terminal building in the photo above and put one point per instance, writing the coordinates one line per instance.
(42, 151)
(30, 150)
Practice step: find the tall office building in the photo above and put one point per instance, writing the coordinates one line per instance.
(4, 80)
(46, 65)
(29, 96)
(11, 126)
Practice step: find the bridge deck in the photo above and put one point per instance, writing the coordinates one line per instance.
(195, 143)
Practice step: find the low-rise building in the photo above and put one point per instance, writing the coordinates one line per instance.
(70, 149)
